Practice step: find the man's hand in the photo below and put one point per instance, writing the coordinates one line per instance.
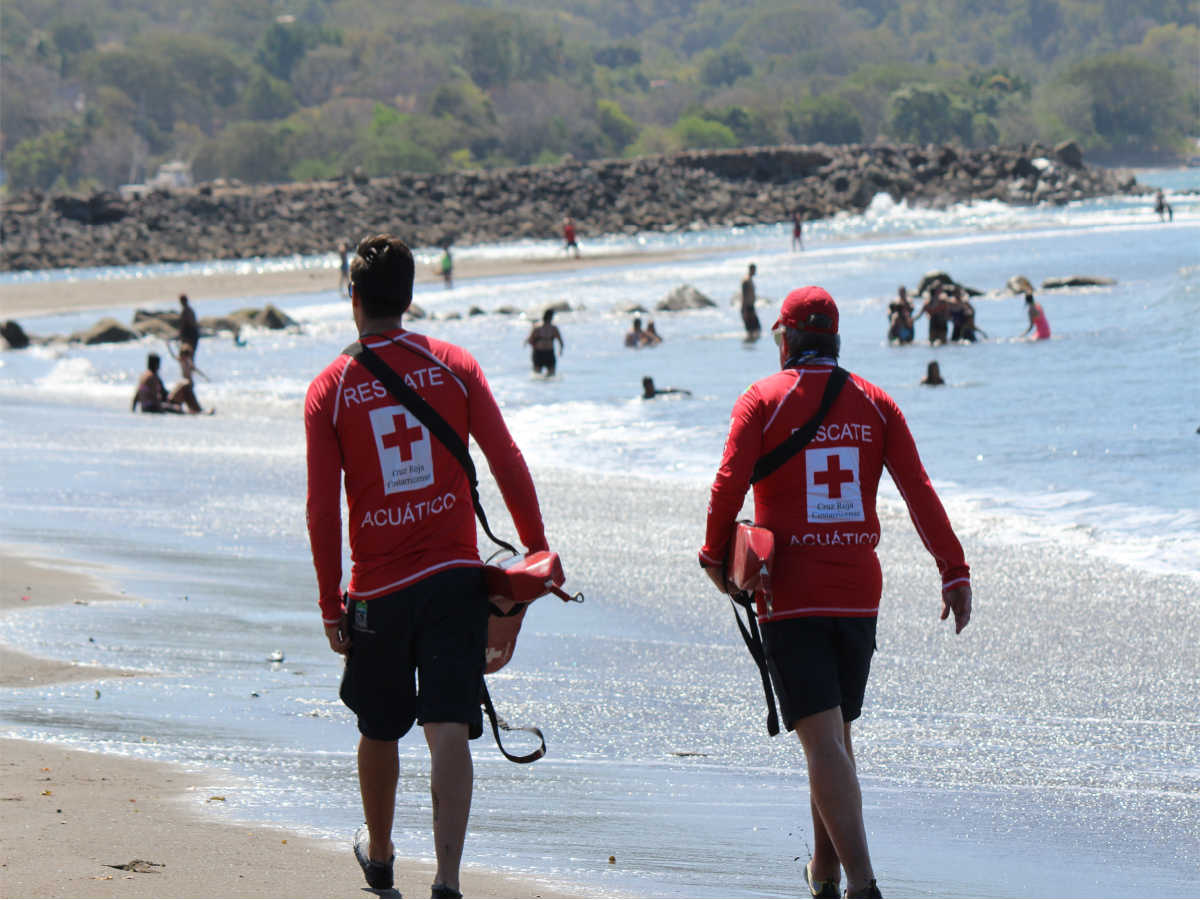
(958, 599)
(339, 642)
(716, 574)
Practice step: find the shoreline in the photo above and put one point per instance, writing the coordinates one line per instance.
(45, 298)
(71, 815)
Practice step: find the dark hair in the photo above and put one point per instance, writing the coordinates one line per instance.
(381, 276)
(1028, 297)
(637, 322)
(800, 342)
(547, 316)
(153, 361)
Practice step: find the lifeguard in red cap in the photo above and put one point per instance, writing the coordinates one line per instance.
(818, 624)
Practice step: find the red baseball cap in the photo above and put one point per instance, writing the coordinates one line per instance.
(803, 305)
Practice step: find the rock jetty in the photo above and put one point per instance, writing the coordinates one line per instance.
(692, 189)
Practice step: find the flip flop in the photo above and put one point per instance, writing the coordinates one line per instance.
(378, 875)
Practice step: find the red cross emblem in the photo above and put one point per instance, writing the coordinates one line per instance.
(402, 436)
(834, 476)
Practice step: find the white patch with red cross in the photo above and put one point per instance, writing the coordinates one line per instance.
(404, 447)
(834, 488)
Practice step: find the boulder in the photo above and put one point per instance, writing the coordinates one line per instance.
(415, 312)
(1076, 281)
(475, 311)
(684, 297)
(14, 335)
(271, 316)
(107, 331)
(1069, 154)
(559, 306)
(155, 327)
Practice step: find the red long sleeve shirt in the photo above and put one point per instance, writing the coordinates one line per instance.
(820, 504)
(409, 499)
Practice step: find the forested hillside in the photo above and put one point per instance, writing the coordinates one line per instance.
(100, 93)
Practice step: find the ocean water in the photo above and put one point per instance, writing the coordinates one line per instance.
(1052, 749)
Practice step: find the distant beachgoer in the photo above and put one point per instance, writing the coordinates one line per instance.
(649, 391)
(962, 314)
(937, 307)
(446, 267)
(797, 231)
(151, 395)
(189, 330)
(1037, 319)
(933, 375)
(569, 236)
(1162, 207)
(542, 339)
(344, 268)
(749, 297)
(651, 337)
(900, 318)
(635, 337)
(183, 394)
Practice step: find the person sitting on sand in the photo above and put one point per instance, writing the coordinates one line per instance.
(542, 339)
(649, 391)
(151, 395)
(1037, 319)
(933, 375)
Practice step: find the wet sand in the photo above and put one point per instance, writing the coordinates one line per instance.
(38, 298)
(68, 817)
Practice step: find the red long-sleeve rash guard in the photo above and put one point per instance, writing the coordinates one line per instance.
(409, 499)
(820, 505)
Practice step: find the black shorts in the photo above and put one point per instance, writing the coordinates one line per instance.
(432, 634)
(543, 359)
(818, 663)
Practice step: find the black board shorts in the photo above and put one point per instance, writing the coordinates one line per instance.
(416, 655)
(819, 663)
(543, 359)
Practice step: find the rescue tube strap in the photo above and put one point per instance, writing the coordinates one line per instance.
(772, 460)
(753, 638)
(498, 724)
(431, 419)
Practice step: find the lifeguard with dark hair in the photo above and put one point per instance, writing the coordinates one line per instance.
(415, 622)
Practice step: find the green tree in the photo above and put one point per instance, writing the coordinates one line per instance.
(249, 151)
(827, 118)
(282, 46)
(725, 66)
(925, 113)
(48, 159)
(620, 130)
(696, 133)
(267, 98)
(73, 38)
(1134, 102)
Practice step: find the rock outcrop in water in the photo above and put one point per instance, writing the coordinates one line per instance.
(692, 189)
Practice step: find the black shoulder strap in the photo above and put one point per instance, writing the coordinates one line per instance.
(753, 639)
(772, 460)
(498, 724)
(432, 420)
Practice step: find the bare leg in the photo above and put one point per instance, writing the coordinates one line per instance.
(450, 780)
(378, 772)
(835, 793)
(825, 862)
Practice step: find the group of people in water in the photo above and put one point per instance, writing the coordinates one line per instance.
(951, 316)
(151, 395)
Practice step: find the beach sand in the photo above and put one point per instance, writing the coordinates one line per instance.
(39, 298)
(67, 817)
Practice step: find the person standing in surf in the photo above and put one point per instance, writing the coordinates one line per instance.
(1037, 319)
(414, 624)
(749, 298)
(542, 339)
(189, 328)
(818, 623)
